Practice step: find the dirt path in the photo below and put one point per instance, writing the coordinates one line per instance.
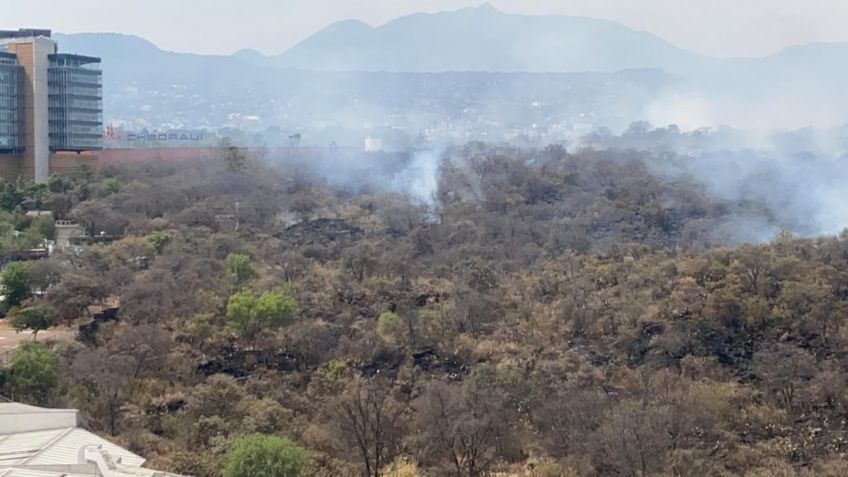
(10, 339)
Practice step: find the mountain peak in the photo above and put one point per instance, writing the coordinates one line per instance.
(482, 9)
(483, 38)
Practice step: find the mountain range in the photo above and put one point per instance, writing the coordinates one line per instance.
(486, 40)
(481, 39)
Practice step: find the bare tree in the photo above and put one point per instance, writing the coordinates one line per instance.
(462, 425)
(112, 372)
(368, 419)
(784, 370)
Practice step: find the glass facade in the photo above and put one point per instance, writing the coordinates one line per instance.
(75, 103)
(11, 77)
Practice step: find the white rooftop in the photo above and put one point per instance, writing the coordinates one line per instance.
(38, 442)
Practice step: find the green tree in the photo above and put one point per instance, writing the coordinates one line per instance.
(35, 192)
(58, 184)
(14, 284)
(45, 226)
(240, 269)
(11, 197)
(111, 184)
(260, 455)
(35, 318)
(30, 238)
(159, 240)
(249, 313)
(32, 374)
(390, 326)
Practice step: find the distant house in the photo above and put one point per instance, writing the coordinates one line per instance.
(67, 232)
(49, 443)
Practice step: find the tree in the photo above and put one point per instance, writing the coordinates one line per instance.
(292, 264)
(11, 197)
(153, 297)
(44, 274)
(61, 205)
(462, 427)
(110, 373)
(97, 216)
(236, 160)
(159, 240)
(33, 373)
(402, 467)
(59, 184)
(390, 326)
(360, 261)
(784, 370)
(14, 282)
(240, 269)
(260, 455)
(77, 290)
(249, 313)
(368, 420)
(566, 418)
(35, 318)
(45, 226)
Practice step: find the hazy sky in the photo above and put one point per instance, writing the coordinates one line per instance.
(718, 27)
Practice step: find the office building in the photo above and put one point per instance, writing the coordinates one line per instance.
(51, 106)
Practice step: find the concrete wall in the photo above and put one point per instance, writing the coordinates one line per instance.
(13, 166)
(42, 420)
(43, 47)
(65, 163)
(10, 166)
(128, 155)
(32, 56)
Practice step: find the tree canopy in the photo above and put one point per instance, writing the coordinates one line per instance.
(32, 374)
(249, 313)
(260, 455)
(37, 318)
(14, 283)
(546, 312)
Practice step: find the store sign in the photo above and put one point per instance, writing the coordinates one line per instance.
(151, 137)
(176, 136)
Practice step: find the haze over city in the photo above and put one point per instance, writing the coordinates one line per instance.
(409, 238)
(724, 28)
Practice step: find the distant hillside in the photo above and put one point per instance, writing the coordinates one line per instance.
(152, 86)
(484, 39)
(393, 75)
(130, 59)
(149, 87)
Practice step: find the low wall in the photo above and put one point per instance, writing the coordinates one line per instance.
(114, 156)
(10, 166)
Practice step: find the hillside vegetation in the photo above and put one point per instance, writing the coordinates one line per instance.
(547, 314)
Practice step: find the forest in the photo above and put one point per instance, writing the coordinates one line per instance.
(549, 313)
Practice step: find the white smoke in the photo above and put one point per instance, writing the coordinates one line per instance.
(799, 177)
(419, 180)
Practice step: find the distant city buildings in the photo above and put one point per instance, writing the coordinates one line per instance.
(51, 106)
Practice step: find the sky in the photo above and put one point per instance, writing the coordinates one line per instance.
(715, 27)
